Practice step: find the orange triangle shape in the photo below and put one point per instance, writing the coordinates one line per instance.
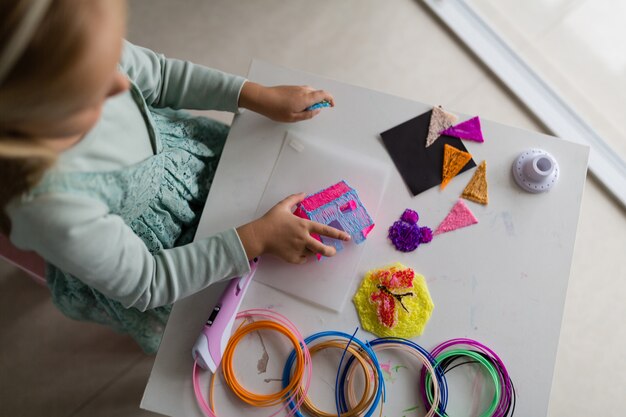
(476, 189)
(453, 162)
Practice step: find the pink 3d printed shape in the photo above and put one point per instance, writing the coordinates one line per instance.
(460, 216)
(338, 206)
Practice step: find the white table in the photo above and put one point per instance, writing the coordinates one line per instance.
(502, 281)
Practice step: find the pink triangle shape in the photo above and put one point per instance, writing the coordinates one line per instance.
(460, 216)
(469, 129)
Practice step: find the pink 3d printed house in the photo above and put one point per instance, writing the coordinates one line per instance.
(338, 206)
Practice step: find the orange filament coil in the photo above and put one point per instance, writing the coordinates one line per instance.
(261, 400)
(302, 370)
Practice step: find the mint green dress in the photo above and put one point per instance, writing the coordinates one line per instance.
(118, 242)
(160, 199)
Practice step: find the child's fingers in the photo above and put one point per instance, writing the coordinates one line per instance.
(292, 200)
(305, 115)
(315, 246)
(321, 95)
(322, 229)
(296, 259)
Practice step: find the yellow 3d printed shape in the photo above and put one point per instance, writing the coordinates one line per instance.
(393, 302)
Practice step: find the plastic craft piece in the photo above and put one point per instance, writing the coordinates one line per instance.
(394, 302)
(406, 235)
(338, 206)
(440, 120)
(476, 189)
(536, 171)
(453, 162)
(469, 129)
(460, 216)
(320, 105)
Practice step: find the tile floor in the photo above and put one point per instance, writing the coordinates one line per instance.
(52, 366)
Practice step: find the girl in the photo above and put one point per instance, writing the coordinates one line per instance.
(106, 182)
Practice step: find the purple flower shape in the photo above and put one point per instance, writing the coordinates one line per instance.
(406, 235)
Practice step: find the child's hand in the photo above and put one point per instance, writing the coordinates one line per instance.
(285, 235)
(283, 103)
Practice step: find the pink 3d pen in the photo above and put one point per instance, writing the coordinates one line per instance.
(211, 343)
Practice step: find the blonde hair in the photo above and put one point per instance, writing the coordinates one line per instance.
(37, 86)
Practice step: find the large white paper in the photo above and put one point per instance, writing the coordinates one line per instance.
(305, 165)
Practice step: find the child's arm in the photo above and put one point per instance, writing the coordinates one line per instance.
(166, 82)
(79, 236)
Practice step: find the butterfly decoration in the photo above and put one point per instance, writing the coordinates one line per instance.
(389, 284)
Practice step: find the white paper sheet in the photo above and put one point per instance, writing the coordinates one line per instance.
(305, 165)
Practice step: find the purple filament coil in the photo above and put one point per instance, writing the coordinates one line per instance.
(506, 404)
